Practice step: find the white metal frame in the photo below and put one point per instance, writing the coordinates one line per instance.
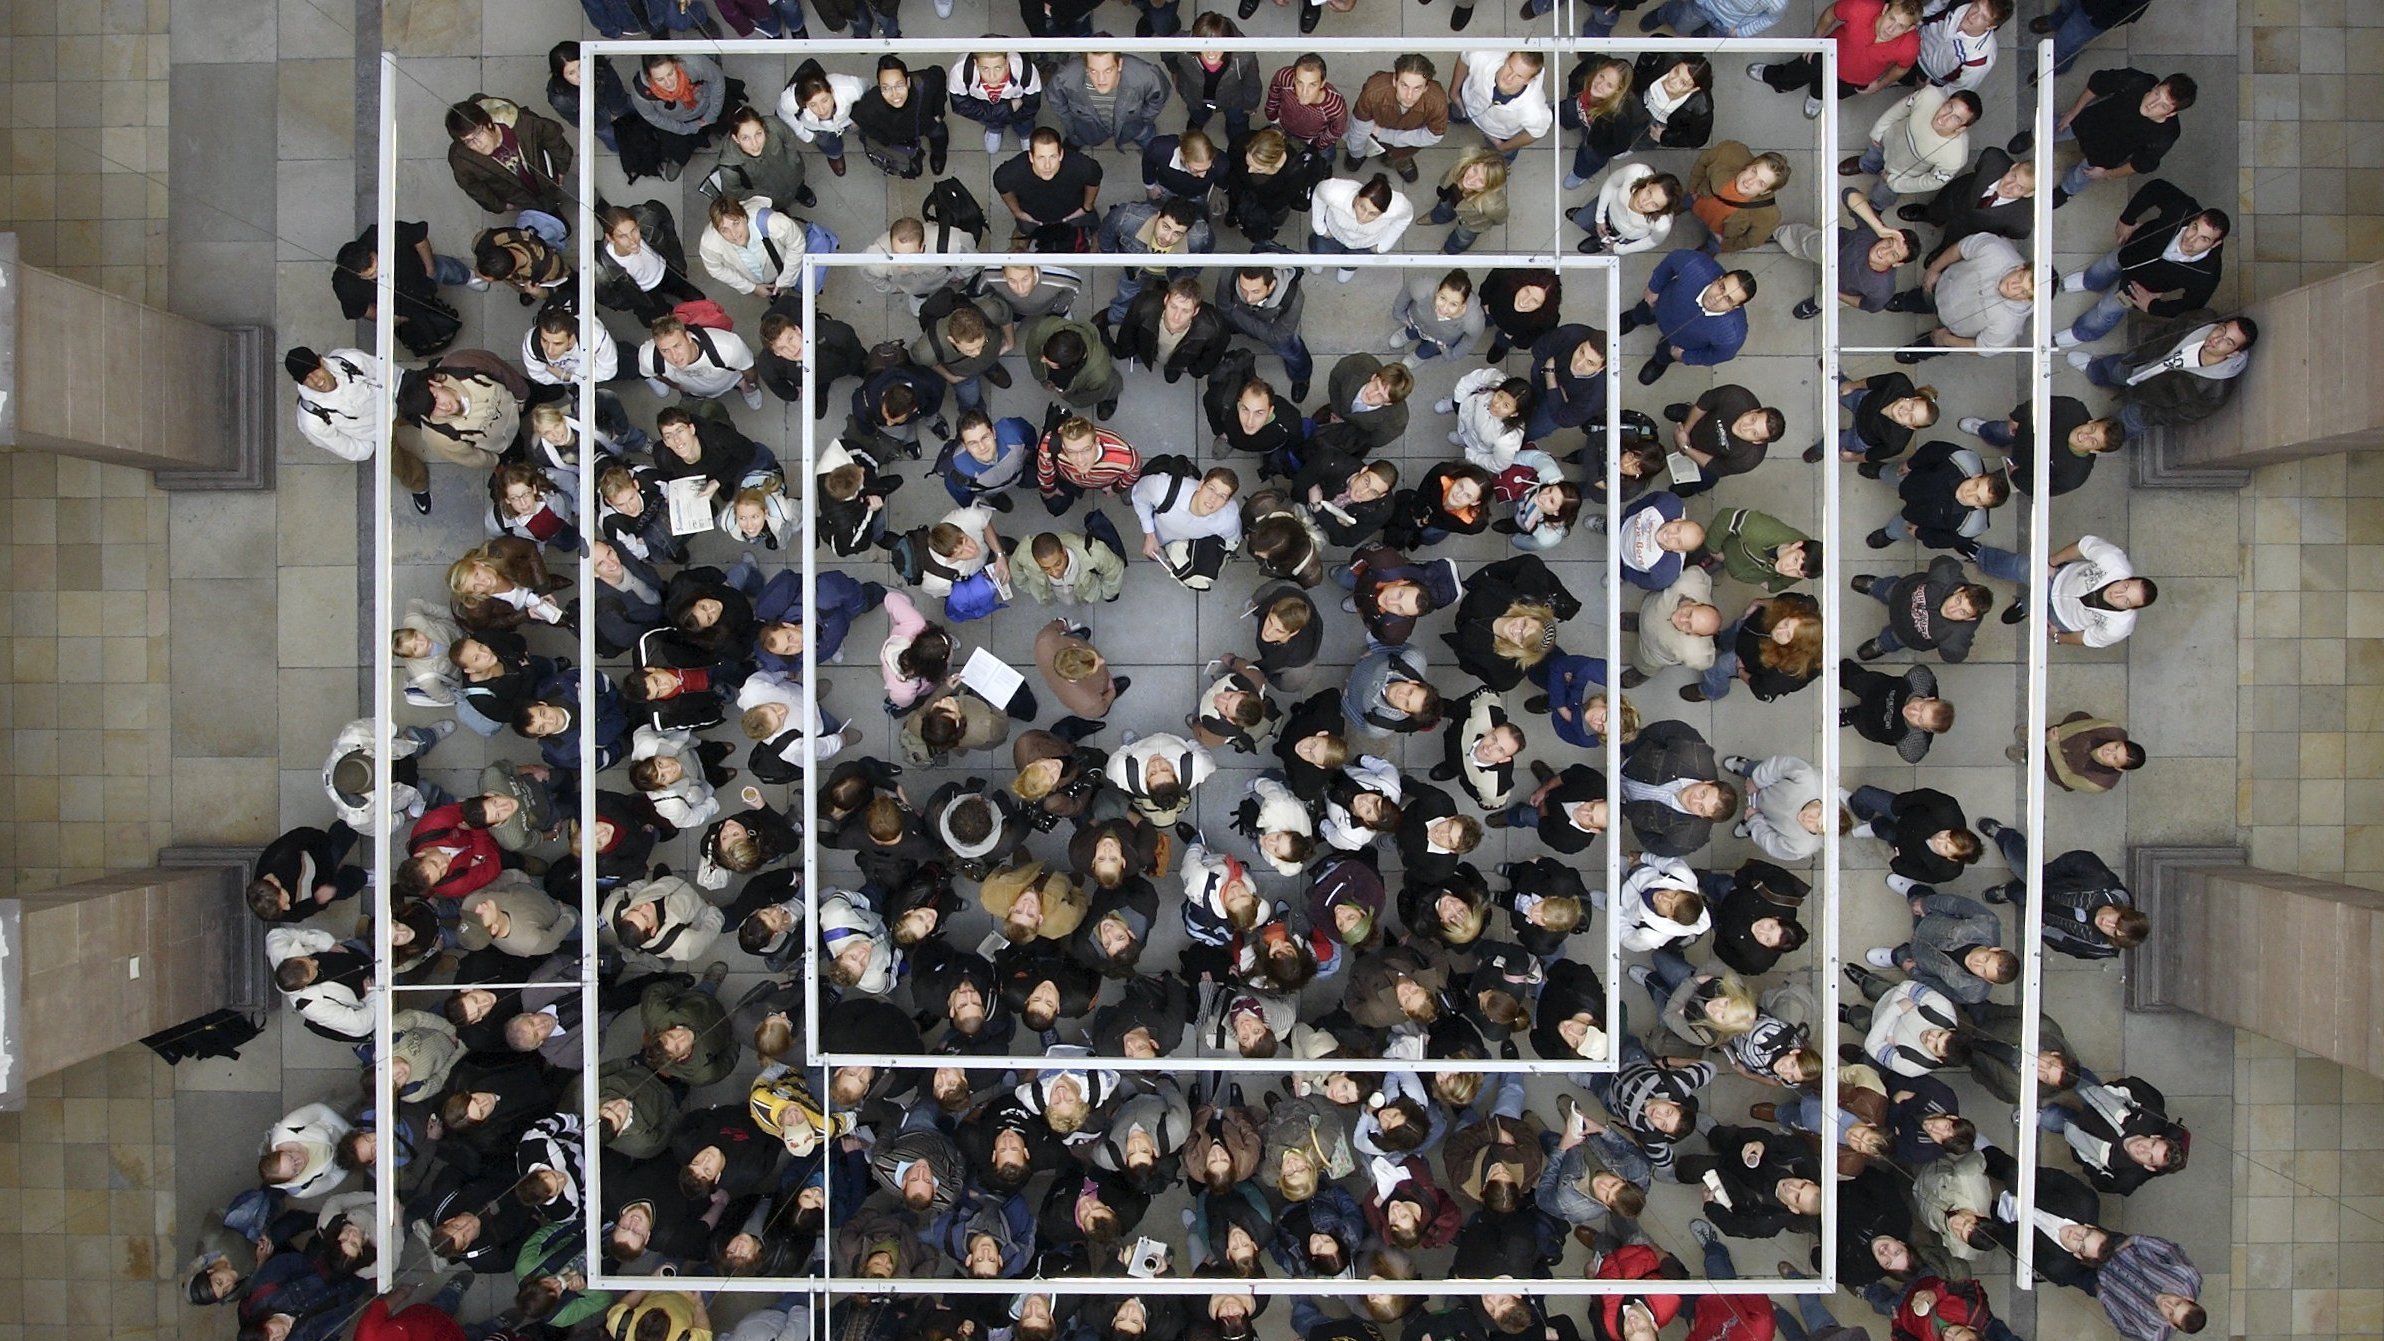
(1553, 49)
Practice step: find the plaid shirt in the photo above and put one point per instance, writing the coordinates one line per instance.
(1118, 466)
(2142, 1270)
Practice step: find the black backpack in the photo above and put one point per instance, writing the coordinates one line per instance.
(953, 209)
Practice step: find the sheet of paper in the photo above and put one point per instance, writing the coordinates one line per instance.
(990, 678)
(690, 511)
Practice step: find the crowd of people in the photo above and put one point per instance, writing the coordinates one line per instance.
(1022, 891)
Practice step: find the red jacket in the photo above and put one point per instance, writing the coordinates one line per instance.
(475, 864)
(1633, 1261)
(420, 1322)
(1733, 1317)
(1961, 1303)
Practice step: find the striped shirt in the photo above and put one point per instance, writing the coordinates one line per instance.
(1117, 467)
(1319, 123)
(2142, 1270)
(1638, 1084)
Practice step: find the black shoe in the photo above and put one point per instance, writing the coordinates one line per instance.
(807, 198)
(1589, 246)
(1806, 310)
(1246, 9)
(1633, 677)
(1074, 729)
(1458, 18)
(936, 154)
(1118, 684)
(1863, 583)
(1870, 470)
(1814, 453)
(1879, 539)
(1652, 20)
(887, 484)
(1536, 703)
(1908, 358)
(1652, 371)
(1106, 409)
(1995, 894)
(1631, 321)
(2015, 614)
(1869, 651)
(2041, 25)
(1677, 412)
(1407, 171)
(1913, 213)
(1309, 14)
(1299, 391)
(422, 501)
(2060, 197)
(1351, 162)
(1442, 773)
(1692, 693)
(1496, 819)
(942, 426)
(2021, 144)
(1967, 548)
(1185, 831)
(1543, 771)
(998, 502)
(998, 375)
(1630, 621)
(1506, 526)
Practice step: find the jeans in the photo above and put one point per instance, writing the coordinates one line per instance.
(1130, 284)
(829, 142)
(1165, 20)
(1667, 971)
(1896, 528)
(1237, 120)
(1681, 16)
(615, 18)
(1850, 441)
(887, 24)
(1870, 804)
(448, 272)
(773, 18)
(1718, 679)
(1322, 244)
(969, 392)
(2012, 846)
(2104, 317)
(1887, 633)
(2076, 180)
(667, 16)
(1995, 433)
(2009, 565)
(1459, 241)
(1874, 159)
(1424, 349)
(2073, 30)
(1298, 364)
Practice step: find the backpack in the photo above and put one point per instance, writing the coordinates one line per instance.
(952, 209)
(972, 597)
(1061, 239)
(706, 313)
(704, 349)
(885, 354)
(913, 560)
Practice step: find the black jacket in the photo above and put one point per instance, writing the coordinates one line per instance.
(1761, 890)
(1691, 124)
(1197, 353)
(1959, 206)
(918, 120)
(1488, 593)
(283, 857)
(1664, 752)
(1918, 815)
(1878, 713)
(1420, 808)
(1329, 470)
(1915, 610)
(1927, 490)
(614, 288)
(622, 617)
(724, 454)
(832, 346)
(2160, 212)
(1578, 783)
(2070, 470)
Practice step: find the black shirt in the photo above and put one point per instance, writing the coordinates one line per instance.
(1883, 438)
(1054, 200)
(356, 294)
(2113, 131)
(2070, 469)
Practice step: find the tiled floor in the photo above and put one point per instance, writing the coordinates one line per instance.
(83, 709)
(2309, 1206)
(92, 1245)
(84, 145)
(2311, 181)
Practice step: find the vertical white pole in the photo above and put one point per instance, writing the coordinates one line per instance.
(383, 617)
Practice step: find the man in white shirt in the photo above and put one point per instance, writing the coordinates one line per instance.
(1173, 510)
(338, 411)
(964, 544)
(1505, 101)
(2095, 592)
(701, 363)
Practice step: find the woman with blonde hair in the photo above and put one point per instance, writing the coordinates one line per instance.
(1307, 1146)
(1473, 197)
(1574, 697)
(1266, 179)
(1775, 647)
(502, 584)
(758, 514)
(1506, 623)
(1705, 1007)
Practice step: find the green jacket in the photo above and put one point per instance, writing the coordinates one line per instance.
(1746, 539)
(653, 1109)
(531, 830)
(667, 1005)
(1095, 382)
(552, 1251)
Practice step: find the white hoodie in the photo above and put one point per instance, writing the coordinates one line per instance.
(1643, 928)
(344, 420)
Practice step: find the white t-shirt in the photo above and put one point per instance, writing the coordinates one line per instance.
(2099, 563)
(645, 265)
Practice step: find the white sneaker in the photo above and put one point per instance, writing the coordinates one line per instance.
(1444, 406)
(993, 141)
(838, 659)
(1757, 70)
(2066, 339)
(1400, 340)
(2079, 359)
(2074, 282)
(1345, 274)
(943, 9)
(753, 397)
(1812, 109)
(476, 284)
(1880, 957)
(1971, 425)
(1349, 605)
(1456, 440)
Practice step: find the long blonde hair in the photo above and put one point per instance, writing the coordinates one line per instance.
(1494, 174)
(1536, 651)
(1605, 107)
